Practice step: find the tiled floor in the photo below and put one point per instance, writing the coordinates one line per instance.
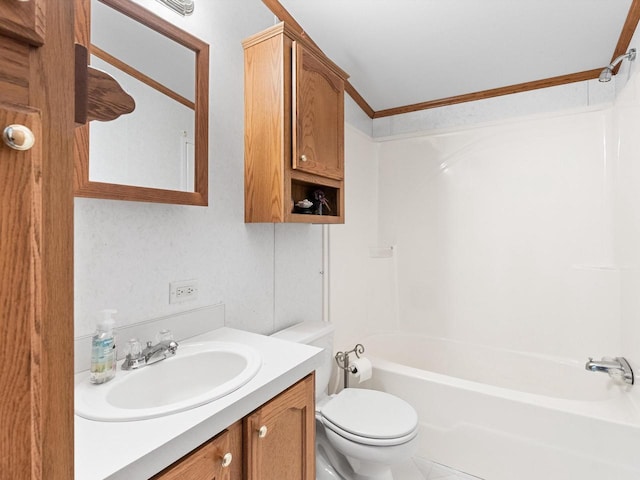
(422, 469)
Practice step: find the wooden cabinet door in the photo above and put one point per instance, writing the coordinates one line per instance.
(279, 437)
(23, 19)
(318, 116)
(36, 241)
(217, 459)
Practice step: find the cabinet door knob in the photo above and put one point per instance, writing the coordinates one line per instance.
(226, 459)
(262, 431)
(18, 137)
(303, 158)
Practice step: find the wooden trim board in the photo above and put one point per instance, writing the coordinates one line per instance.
(633, 17)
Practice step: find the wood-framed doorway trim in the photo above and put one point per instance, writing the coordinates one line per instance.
(36, 242)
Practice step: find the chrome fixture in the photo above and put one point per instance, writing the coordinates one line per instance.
(605, 75)
(342, 359)
(138, 357)
(618, 368)
(183, 7)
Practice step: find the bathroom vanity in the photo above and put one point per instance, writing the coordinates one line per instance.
(277, 440)
(267, 426)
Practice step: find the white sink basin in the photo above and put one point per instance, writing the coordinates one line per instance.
(199, 373)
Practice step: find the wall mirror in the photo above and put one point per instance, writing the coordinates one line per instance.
(159, 151)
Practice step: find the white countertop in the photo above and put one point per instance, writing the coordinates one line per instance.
(140, 449)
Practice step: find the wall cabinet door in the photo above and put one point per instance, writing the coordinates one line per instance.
(318, 116)
(217, 459)
(279, 437)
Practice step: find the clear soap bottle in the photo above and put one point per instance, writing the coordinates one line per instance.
(103, 349)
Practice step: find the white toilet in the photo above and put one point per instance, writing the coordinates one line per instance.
(360, 433)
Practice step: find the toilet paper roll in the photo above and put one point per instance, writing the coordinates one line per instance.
(361, 369)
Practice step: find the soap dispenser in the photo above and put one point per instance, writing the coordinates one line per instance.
(103, 349)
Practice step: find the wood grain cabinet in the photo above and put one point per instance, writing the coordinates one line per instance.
(276, 441)
(294, 129)
(36, 223)
(217, 459)
(279, 437)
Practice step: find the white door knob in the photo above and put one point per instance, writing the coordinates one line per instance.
(18, 137)
(226, 459)
(262, 431)
(303, 158)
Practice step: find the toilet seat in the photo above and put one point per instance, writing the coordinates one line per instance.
(370, 417)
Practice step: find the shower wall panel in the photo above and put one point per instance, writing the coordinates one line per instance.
(503, 233)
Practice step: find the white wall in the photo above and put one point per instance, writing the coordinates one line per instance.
(626, 114)
(354, 306)
(498, 109)
(501, 215)
(503, 234)
(126, 253)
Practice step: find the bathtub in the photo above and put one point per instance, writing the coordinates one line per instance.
(503, 415)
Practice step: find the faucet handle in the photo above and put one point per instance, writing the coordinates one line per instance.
(133, 348)
(134, 355)
(164, 335)
(172, 346)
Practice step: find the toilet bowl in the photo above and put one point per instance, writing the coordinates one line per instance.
(360, 433)
(372, 429)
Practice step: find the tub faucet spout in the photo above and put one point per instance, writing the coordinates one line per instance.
(617, 368)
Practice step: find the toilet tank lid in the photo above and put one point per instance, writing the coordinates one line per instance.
(305, 332)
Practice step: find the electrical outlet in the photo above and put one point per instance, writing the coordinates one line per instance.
(183, 291)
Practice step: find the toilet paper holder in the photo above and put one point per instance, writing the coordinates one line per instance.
(342, 359)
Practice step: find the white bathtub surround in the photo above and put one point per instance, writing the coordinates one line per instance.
(424, 469)
(504, 233)
(434, 471)
(627, 126)
(492, 412)
(353, 303)
(519, 235)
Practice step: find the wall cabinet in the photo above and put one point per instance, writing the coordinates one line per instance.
(275, 441)
(294, 130)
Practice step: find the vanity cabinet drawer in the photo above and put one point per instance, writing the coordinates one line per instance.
(217, 459)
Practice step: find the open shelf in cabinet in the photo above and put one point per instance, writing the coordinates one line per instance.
(313, 189)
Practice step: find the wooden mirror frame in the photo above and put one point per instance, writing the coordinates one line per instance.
(83, 187)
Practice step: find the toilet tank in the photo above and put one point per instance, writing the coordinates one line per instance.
(318, 334)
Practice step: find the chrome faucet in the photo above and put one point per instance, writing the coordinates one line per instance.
(138, 357)
(160, 351)
(618, 368)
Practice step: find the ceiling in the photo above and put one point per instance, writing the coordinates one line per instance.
(405, 52)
